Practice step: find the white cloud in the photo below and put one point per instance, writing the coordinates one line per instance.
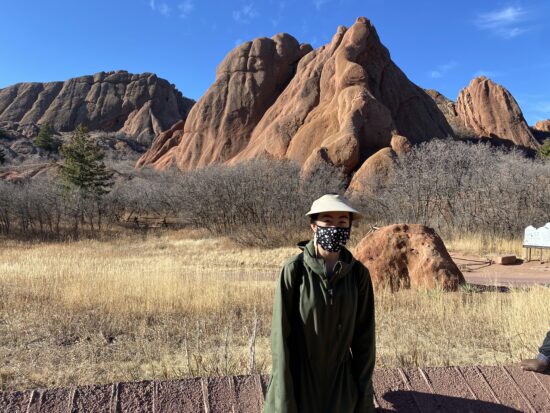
(276, 20)
(245, 14)
(442, 70)
(508, 22)
(164, 9)
(320, 3)
(152, 4)
(185, 8)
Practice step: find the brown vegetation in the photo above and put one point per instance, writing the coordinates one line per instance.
(180, 305)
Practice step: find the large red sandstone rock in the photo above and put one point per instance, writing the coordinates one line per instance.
(491, 111)
(349, 98)
(219, 126)
(408, 256)
(344, 103)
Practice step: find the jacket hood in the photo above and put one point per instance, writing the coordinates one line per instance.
(317, 264)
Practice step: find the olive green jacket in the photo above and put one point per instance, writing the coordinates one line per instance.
(322, 337)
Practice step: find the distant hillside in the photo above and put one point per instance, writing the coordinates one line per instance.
(135, 107)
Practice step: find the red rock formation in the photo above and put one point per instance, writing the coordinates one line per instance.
(448, 108)
(162, 144)
(373, 173)
(400, 145)
(344, 103)
(247, 83)
(543, 126)
(378, 168)
(408, 256)
(491, 111)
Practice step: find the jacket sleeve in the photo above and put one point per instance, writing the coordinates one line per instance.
(363, 344)
(545, 348)
(280, 396)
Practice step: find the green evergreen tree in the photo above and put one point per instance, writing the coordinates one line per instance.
(84, 168)
(544, 150)
(45, 139)
(2, 156)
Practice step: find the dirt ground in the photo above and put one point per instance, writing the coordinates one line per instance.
(484, 270)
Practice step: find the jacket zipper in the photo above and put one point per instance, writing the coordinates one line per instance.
(331, 295)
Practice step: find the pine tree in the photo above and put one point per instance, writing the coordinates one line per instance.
(84, 168)
(45, 139)
(2, 156)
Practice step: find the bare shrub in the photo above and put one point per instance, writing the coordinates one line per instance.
(260, 202)
(464, 187)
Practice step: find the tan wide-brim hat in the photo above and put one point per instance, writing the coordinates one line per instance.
(333, 203)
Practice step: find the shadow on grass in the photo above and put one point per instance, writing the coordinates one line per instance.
(481, 288)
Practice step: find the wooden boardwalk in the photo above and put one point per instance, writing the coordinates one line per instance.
(414, 390)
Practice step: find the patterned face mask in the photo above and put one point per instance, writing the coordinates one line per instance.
(332, 239)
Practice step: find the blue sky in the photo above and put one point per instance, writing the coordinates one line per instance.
(438, 44)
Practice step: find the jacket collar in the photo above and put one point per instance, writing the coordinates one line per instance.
(317, 264)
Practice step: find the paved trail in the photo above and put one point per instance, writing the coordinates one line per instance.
(443, 389)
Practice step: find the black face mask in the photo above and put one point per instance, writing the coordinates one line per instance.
(332, 239)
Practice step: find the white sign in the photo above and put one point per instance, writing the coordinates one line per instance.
(537, 237)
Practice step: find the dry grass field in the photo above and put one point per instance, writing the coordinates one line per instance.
(178, 304)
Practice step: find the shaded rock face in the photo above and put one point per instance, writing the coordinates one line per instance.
(448, 108)
(344, 103)
(491, 111)
(408, 256)
(138, 105)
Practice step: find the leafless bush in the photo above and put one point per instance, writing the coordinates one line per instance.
(260, 202)
(40, 208)
(464, 187)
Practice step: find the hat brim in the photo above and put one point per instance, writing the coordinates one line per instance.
(355, 215)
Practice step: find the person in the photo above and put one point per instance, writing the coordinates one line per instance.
(323, 332)
(542, 361)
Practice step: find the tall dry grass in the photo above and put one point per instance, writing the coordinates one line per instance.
(178, 305)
